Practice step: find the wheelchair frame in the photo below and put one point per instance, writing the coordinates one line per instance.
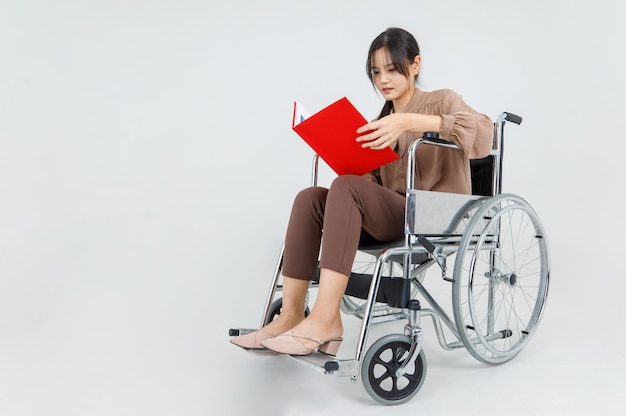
(489, 275)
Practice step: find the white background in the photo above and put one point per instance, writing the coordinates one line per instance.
(147, 167)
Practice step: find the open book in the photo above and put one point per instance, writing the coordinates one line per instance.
(331, 133)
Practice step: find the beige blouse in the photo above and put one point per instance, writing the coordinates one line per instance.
(438, 168)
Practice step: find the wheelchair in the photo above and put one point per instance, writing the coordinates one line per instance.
(500, 259)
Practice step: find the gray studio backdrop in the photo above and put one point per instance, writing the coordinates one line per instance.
(147, 167)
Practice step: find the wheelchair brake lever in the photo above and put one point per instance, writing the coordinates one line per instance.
(436, 255)
(430, 247)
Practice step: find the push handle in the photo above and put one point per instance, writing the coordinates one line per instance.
(513, 118)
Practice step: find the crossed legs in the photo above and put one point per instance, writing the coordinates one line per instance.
(351, 205)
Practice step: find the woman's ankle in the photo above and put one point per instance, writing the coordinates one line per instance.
(321, 327)
(283, 323)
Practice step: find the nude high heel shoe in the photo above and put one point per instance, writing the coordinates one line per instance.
(252, 341)
(288, 344)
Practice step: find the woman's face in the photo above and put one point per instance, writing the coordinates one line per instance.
(392, 84)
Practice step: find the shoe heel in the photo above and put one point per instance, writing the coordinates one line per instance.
(330, 347)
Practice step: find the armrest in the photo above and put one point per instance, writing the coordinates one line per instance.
(431, 138)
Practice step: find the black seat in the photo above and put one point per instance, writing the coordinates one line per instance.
(392, 291)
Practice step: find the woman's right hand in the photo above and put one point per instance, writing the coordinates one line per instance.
(384, 132)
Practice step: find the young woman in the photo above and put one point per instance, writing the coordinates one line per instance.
(369, 207)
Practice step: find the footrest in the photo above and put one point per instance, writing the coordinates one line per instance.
(235, 332)
(328, 365)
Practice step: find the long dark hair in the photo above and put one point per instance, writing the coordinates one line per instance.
(403, 49)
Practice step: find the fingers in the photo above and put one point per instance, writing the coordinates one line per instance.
(379, 134)
(369, 137)
(377, 144)
(374, 142)
(375, 137)
(369, 132)
(372, 139)
(367, 128)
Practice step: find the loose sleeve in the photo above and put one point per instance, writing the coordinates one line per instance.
(468, 129)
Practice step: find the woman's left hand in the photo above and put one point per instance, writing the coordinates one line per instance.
(382, 133)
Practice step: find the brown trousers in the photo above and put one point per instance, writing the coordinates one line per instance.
(353, 210)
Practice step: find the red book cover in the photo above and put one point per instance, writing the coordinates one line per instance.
(331, 133)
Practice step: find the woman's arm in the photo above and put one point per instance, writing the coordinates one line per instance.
(453, 119)
(384, 132)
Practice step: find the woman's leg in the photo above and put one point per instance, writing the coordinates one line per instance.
(353, 203)
(292, 312)
(324, 321)
(302, 246)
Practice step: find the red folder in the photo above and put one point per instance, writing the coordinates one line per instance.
(331, 133)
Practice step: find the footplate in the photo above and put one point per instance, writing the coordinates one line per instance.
(327, 364)
(235, 332)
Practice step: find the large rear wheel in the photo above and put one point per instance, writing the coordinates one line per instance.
(501, 277)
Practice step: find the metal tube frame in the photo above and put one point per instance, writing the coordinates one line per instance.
(351, 367)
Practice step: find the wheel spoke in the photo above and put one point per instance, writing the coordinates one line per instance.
(500, 279)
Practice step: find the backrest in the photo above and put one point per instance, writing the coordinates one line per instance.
(482, 176)
(487, 172)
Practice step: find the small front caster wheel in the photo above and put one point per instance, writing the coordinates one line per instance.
(379, 370)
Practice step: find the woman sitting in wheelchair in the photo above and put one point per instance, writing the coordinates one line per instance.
(356, 209)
